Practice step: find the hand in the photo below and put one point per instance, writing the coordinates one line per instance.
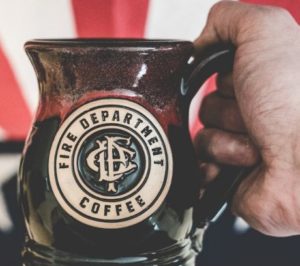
(253, 119)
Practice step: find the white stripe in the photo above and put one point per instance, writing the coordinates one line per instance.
(177, 19)
(23, 20)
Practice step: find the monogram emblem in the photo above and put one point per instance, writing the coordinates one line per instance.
(110, 164)
(112, 160)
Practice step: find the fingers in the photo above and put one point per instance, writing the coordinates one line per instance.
(220, 147)
(223, 22)
(235, 23)
(269, 202)
(225, 85)
(221, 113)
(208, 171)
(267, 199)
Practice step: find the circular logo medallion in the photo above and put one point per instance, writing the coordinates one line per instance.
(110, 164)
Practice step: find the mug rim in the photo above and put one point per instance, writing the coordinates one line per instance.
(105, 42)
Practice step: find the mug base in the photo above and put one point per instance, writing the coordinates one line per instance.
(179, 254)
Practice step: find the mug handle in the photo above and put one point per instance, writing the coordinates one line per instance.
(219, 191)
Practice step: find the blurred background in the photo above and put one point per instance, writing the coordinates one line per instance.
(229, 241)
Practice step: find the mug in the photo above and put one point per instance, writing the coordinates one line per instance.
(108, 174)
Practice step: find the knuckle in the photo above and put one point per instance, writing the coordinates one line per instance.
(211, 150)
(264, 22)
(265, 210)
(212, 146)
(201, 143)
(254, 212)
(279, 13)
(205, 144)
(217, 8)
(267, 17)
(239, 206)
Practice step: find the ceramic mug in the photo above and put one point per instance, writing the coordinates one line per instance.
(108, 173)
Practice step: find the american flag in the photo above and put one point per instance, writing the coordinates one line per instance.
(175, 19)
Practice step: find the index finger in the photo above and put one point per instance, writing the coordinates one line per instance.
(231, 22)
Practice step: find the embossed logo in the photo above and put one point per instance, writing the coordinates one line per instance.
(110, 164)
(112, 160)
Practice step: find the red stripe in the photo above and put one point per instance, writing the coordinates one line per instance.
(110, 18)
(291, 5)
(15, 117)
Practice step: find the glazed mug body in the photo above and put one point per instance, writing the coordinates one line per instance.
(108, 175)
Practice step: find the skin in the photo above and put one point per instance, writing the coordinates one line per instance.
(253, 119)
